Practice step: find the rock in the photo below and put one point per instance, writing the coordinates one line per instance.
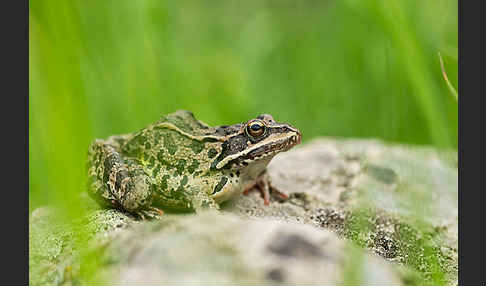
(218, 249)
(359, 211)
(209, 249)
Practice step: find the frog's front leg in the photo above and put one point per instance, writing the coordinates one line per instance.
(119, 182)
(264, 185)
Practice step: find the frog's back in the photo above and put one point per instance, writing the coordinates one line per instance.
(175, 137)
(174, 152)
(186, 122)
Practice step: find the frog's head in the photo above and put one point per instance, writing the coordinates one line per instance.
(254, 143)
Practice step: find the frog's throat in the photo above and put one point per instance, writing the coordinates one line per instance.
(289, 139)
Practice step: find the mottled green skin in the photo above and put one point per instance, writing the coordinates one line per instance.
(173, 164)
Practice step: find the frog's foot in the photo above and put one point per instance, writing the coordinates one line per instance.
(264, 185)
(149, 213)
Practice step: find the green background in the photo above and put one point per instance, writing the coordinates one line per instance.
(331, 68)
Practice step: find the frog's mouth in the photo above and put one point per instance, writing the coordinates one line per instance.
(274, 147)
(269, 148)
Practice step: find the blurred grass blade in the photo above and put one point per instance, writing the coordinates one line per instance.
(451, 88)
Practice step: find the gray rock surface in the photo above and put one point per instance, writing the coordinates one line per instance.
(359, 211)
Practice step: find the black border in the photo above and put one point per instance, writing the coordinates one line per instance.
(471, 88)
(15, 90)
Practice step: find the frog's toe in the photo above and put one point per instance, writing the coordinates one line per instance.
(156, 211)
(274, 191)
(149, 213)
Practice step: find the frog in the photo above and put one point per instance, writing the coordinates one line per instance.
(183, 164)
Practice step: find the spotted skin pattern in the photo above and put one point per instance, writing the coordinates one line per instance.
(181, 163)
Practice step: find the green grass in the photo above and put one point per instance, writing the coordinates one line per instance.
(332, 68)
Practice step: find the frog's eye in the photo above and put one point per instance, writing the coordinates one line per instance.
(255, 128)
